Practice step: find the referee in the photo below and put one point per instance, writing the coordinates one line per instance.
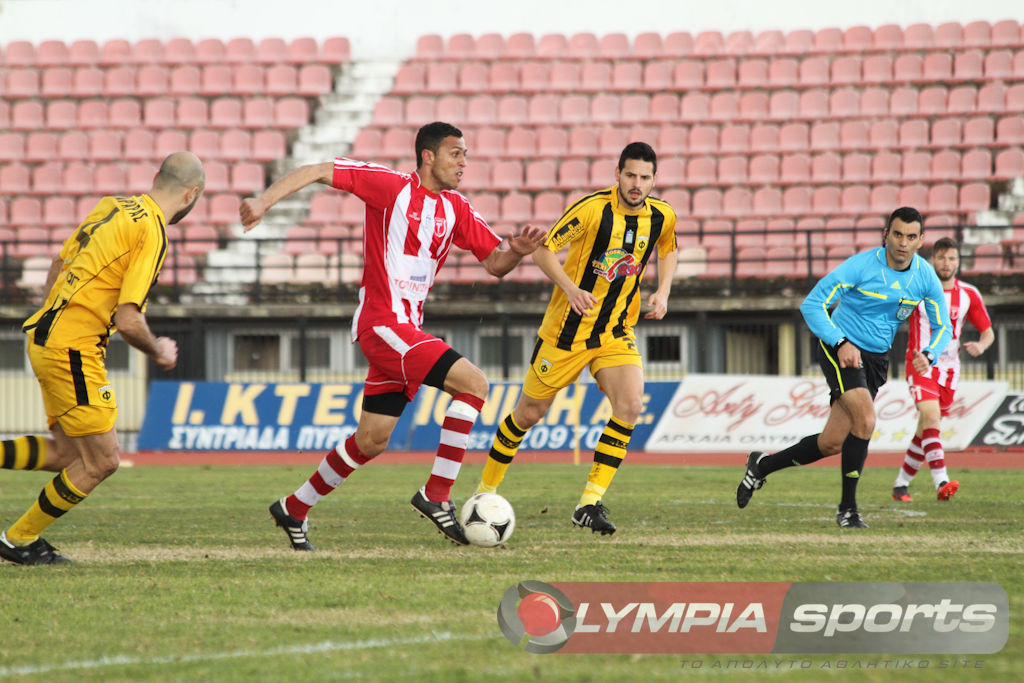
(872, 293)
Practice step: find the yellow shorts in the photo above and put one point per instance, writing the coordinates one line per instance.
(552, 369)
(76, 392)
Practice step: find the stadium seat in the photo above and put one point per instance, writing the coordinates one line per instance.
(215, 79)
(56, 82)
(945, 165)
(824, 135)
(688, 74)
(46, 178)
(92, 114)
(752, 73)
(543, 109)
(678, 44)
(506, 175)
(886, 166)
(316, 80)
(732, 170)
(564, 77)
(999, 65)
(707, 203)
(409, 79)
(124, 114)
(583, 45)
(795, 168)
(605, 108)
(611, 141)
(974, 197)
(794, 137)
(648, 45)
(978, 131)
(178, 51)
(961, 100)
(796, 201)
(234, 145)
(975, 165)
(25, 212)
(720, 74)
(548, 207)
(914, 134)
(764, 138)
(271, 51)
(767, 202)
(1009, 164)
(169, 141)
(105, 145)
(449, 108)
(210, 51)
(916, 165)
(281, 80)
(814, 104)
(985, 259)
(657, 76)
(109, 179)
(946, 132)
(723, 106)
(247, 80)
(39, 146)
(764, 169)
(34, 242)
(709, 43)
(73, 146)
(695, 106)
(247, 178)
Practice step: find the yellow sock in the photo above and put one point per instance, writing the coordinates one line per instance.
(610, 451)
(56, 498)
(506, 443)
(23, 453)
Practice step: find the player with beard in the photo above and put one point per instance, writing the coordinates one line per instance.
(611, 235)
(97, 285)
(934, 390)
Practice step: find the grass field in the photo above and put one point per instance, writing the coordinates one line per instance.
(179, 573)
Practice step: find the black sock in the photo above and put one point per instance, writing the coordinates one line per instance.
(855, 453)
(803, 452)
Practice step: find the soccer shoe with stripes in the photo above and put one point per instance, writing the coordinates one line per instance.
(36, 552)
(947, 489)
(593, 517)
(441, 514)
(295, 529)
(901, 494)
(850, 519)
(752, 479)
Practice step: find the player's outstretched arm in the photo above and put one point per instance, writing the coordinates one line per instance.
(511, 251)
(580, 301)
(134, 329)
(253, 209)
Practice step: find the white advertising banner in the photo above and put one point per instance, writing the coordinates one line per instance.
(732, 413)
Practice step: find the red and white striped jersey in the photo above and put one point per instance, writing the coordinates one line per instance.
(964, 302)
(408, 233)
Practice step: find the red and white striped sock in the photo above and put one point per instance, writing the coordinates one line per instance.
(911, 462)
(333, 470)
(935, 456)
(458, 423)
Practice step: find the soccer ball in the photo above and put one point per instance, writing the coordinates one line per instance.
(487, 519)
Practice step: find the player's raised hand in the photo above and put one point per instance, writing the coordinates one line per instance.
(527, 241)
(251, 212)
(973, 348)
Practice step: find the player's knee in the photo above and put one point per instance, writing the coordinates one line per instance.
(370, 444)
(102, 467)
(527, 416)
(629, 411)
(474, 382)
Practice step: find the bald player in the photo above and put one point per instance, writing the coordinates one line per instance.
(97, 285)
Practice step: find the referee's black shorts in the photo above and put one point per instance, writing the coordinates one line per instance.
(871, 375)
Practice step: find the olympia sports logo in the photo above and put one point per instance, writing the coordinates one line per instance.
(536, 616)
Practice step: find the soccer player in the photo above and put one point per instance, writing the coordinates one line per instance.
(98, 284)
(412, 221)
(873, 293)
(934, 390)
(611, 234)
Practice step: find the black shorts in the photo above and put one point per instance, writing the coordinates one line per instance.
(871, 375)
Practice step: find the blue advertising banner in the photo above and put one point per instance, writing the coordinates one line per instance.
(240, 416)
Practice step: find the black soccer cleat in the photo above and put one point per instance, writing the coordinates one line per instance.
(295, 529)
(36, 552)
(442, 515)
(901, 494)
(850, 519)
(593, 517)
(752, 479)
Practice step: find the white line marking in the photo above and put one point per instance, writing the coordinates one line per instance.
(326, 646)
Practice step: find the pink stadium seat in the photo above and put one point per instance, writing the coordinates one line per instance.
(796, 201)
(883, 134)
(724, 106)
(795, 168)
(281, 80)
(886, 166)
(610, 141)
(199, 240)
(119, 82)
(116, 52)
(916, 165)
(597, 76)
(986, 258)
(22, 83)
(845, 70)
(516, 207)
(764, 138)
(217, 177)
(903, 102)
(764, 169)
(185, 81)
(648, 45)
(140, 178)
(783, 72)
(1006, 32)
(703, 138)
(543, 109)
(473, 78)
(1014, 97)
(258, 112)
(178, 51)
(240, 51)
(739, 43)
(25, 212)
(657, 76)
(430, 47)
(826, 201)
(540, 175)
(193, 112)
(942, 197)
(721, 73)
(323, 207)
(247, 80)
(56, 82)
(535, 76)
(695, 106)
(109, 179)
(979, 131)
(246, 178)
(824, 135)
(949, 34)
(945, 165)
(506, 175)
(999, 65)
(937, 67)
(733, 138)
(152, 81)
(946, 132)
(503, 77)
(573, 174)
(210, 51)
(488, 143)
(978, 34)
(914, 134)
(396, 143)
(814, 71)
(913, 195)
(565, 77)
(767, 202)
(461, 46)
(139, 144)
(160, 113)
(707, 202)
(169, 141)
(1009, 164)
(855, 199)
(794, 137)
(732, 170)
(932, 100)
(409, 79)
(581, 46)
(1010, 130)
(39, 146)
(992, 98)
(709, 43)
(968, 66)
(552, 141)
(215, 80)
(814, 104)
(877, 69)
(520, 46)
(304, 50)
(919, 36)
(604, 108)
(46, 178)
(315, 80)
(908, 68)
(12, 148)
(449, 108)
(826, 168)
(975, 165)
(73, 146)
(271, 51)
(59, 211)
(699, 171)
(92, 114)
(678, 44)
(769, 42)
(583, 141)
(974, 197)
(752, 73)
(856, 167)
(489, 46)
(28, 114)
(521, 143)
(688, 75)
(83, 53)
(234, 145)
(124, 114)
(87, 82)
(104, 145)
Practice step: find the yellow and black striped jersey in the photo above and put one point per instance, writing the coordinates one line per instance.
(112, 258)
(608, 251)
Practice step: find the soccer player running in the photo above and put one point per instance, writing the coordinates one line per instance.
(97, 285)
(611, 235)
(412, 222)
(933, 391)
(873, 292)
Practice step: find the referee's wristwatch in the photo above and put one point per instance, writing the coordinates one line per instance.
(842, 340)
(927, 353)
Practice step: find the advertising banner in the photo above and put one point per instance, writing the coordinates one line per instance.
(1005, 429)
(240, 416)
(730, 413)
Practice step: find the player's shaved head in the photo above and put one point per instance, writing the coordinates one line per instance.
(180, 171)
